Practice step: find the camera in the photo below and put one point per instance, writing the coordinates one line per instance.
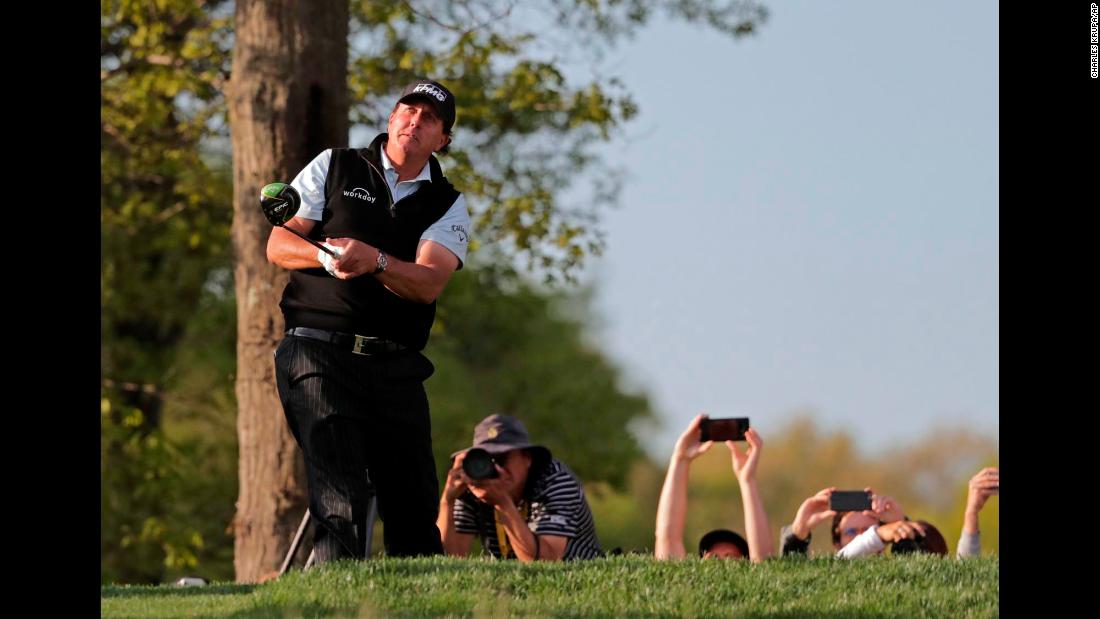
(479, 464)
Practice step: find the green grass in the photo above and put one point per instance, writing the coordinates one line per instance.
(910, 586)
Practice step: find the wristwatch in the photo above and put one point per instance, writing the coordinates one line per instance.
(382, 263)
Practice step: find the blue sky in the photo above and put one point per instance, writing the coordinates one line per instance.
(810, 221)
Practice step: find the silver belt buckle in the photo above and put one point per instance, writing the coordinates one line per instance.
(358, 348)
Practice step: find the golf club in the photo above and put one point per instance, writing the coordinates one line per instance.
(280, 202)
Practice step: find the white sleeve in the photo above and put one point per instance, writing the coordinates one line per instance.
(310, 184)
(866, 543)
(970, 545)
(452, 230)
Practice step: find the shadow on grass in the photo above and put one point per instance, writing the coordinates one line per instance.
(115, 591)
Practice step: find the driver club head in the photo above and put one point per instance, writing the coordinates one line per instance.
(279, 202)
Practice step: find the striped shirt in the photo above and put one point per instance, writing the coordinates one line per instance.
(556, 505)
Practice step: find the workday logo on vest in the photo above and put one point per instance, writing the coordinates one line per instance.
(359, 193)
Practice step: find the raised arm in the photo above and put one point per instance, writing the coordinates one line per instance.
(673, 502)
(813, 511)
(756, 520)
(984, 484)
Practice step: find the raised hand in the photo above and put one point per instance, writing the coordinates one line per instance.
(984, 484)
(886, 508)
(688, 446)
(744, 464)
(812, 512)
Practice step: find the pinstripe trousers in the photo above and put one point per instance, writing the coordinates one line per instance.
(353, 414)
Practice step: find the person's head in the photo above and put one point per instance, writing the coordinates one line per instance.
(723, 544)
(423, 118)
(932, 542)
(848, 525)
(506, 440)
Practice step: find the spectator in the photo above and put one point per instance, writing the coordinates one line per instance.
(984, 484)
(535, 509)
(855, 534)
(672, 507)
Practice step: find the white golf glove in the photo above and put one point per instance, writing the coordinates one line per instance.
(328, 261)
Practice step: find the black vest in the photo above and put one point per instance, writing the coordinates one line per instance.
(358, 205)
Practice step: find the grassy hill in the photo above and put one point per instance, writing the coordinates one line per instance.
(909, 586)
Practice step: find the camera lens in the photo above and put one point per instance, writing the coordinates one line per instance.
(478, 464)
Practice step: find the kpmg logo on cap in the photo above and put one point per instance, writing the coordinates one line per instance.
(429, 89)
(359, 193)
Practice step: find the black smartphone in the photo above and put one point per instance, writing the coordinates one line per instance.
(850, 500)
(728, 429)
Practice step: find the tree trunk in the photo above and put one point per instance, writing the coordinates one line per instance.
(287, 102)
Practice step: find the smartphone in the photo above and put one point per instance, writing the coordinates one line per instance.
(728, 429)
(850, 500)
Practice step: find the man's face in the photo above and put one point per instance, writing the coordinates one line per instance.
(852, 524)
(415, 128)
(516, 463)
(723, 550)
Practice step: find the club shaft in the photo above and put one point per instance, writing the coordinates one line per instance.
(310, 241)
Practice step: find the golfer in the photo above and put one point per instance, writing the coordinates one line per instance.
(350, 371)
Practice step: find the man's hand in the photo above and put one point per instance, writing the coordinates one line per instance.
(812, 512)
(984, 484)
(899, 530)
(358, 257)
(456, 482)
(493, 491)
(744, 464)
(688, 446)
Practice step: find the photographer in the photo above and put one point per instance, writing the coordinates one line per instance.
(518, 499)
(855, 533)
(720, 543)
(984, 484)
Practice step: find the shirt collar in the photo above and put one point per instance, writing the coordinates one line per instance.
(425, 172)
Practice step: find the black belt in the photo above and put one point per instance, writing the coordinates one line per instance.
(359, 344)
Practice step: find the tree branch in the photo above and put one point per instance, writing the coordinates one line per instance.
(455, 28)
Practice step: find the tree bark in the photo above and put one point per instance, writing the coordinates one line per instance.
(288, 100)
